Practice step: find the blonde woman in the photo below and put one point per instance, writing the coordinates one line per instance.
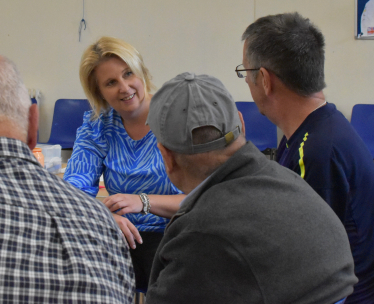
(115, 141)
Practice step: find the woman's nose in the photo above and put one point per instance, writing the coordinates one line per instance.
(124, 85)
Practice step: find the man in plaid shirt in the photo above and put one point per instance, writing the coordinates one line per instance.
(57, 244)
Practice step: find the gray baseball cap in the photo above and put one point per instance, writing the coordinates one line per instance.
(190, 101)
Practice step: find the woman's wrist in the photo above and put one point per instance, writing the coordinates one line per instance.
(146, 204)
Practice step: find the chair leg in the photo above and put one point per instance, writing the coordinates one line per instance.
(139, 298)
(271, 153)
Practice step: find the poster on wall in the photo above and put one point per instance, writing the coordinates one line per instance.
(364, 24)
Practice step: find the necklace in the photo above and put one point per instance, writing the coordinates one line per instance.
(322, 104)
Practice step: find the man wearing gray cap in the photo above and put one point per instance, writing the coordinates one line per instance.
(249, 230)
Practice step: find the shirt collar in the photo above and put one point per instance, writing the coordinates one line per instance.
(10, 147)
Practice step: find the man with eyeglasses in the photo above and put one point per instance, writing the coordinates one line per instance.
(283, 65)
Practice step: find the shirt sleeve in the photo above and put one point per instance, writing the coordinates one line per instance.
(85, 166)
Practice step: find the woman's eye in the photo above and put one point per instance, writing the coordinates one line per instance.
(128, 73)
(110, 83)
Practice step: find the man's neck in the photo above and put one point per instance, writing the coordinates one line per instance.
(9, 129)
(293, 109)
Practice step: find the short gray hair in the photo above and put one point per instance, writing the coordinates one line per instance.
(203, 164)
(291, 47)
(14, 99)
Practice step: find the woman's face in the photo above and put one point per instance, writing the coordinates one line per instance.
(119, 86)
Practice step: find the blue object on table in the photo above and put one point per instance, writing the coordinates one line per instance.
(363, 122)
(258, 128)
(67, 118)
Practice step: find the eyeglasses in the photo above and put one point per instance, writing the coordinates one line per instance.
(241, 72)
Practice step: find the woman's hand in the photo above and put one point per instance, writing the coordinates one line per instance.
(124, 203)
(129, 230)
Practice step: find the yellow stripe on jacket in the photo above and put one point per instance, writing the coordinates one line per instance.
(301, 153)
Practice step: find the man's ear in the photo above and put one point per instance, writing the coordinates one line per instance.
(242, 120)
(32, 133)
(168, 157)
(266, 81)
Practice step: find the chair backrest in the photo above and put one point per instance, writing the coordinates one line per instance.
(258, 129)
(67, 118)
(363, 122)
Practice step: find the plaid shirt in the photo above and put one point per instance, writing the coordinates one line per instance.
(57, 244)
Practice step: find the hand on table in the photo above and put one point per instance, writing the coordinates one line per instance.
(124, 203)
(129, 230)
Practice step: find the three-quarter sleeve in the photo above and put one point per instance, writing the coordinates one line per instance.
(85, 166)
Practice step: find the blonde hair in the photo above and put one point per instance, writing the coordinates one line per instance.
(100, 51)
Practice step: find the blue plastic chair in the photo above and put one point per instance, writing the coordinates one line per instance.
(258, 129)
(363, 122)
(67, 118)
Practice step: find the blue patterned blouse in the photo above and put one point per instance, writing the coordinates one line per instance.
(129, 166)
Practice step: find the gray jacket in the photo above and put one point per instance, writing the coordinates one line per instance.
(254, 232)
